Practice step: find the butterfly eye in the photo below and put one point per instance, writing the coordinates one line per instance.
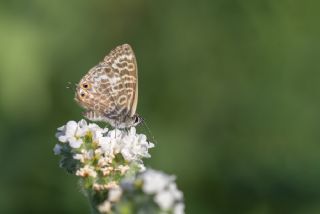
(85, 85)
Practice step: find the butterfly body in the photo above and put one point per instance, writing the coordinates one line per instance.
(109, 91)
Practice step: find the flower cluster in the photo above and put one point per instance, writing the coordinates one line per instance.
(164, 190)
(112, 174)
(151, 191)
(102, 156)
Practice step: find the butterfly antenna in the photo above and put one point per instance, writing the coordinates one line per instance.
(149, 130)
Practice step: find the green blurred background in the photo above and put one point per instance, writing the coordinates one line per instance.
(230, 90)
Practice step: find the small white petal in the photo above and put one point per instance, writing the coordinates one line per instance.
(75, 143)
(61, 128)
(57, 149)
(66, 132)
(82, 123)
(62, 138)
(79, 157)
(71, 128)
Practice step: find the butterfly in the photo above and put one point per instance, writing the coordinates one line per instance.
(109, 91)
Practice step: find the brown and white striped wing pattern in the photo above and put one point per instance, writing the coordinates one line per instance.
(123, 62)
(112, 85)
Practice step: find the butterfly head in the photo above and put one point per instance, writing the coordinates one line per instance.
(83, 94)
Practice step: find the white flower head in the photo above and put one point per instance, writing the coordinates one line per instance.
(131, 145)
(135, 146)
(103, 155)
(164, 189)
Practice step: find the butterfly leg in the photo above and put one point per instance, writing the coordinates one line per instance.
(93, 116)
(126, 130)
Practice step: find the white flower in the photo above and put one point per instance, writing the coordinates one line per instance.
(84, 155)
(154, 181)
(108, 186)
(105, 207)
(163, 187)
(112, 184)
(104, 161)
(178, 208)
(75, 143)
(135, 146)
(106, 170)
(86, 171)
(123, 169)
(114, 194)
(164, 199)
(109, 145)
(96, 131)
(82, 127)
(67, 131)
(132, 146)
(71, 133)
(98, 149)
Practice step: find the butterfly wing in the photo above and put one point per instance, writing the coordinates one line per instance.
(111, 86)
(122, 60)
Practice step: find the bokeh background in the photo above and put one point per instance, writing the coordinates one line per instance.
(230, 90)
